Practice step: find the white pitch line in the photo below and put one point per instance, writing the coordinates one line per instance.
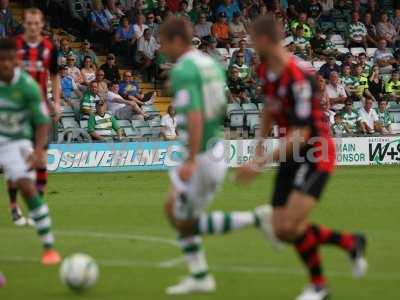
(105, 235)
(170, 263)
(217, 268)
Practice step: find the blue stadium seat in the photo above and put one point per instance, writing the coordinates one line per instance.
(124, 123)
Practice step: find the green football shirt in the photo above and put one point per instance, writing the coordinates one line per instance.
(21, 106)
(351, 119)
(198, 84)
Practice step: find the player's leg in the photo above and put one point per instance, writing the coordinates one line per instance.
(179, 211)
(17, 170)
(16, 214)
(41, 179)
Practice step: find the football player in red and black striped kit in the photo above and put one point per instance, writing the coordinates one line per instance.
(306, 155)
(38, 57)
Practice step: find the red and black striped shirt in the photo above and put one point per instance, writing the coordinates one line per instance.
(292, 100)
(38, 60)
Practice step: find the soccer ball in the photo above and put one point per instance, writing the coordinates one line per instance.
(79, 271)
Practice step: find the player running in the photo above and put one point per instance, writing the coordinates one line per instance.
(39, 58)
(306, 155)
(21, 106)
(198, 86)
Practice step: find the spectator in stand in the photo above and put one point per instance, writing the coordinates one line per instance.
(318, 44)
(211, 49)
(89, 99)
(152, 25)
(146, 54)
(202, 28)
(229, 8)
(363, 62)
(121, 108)
(361, 84)
(245, 71)
(375, 83)
(301, 21)
(100, 121)
(7, 20)
(348, 81)
(220, 31)
(295, 7)
(161, 11)
(88, 71)
(69, 88)
(182, 12)
(129, 89)
(373, 9)
(339, 128)
(303, 47)
(113, 13)
(385, 118)
(168, 125)
(328, 114)
(85, 51)
(247, 52)
(64, 51)
(372, 35)
(73, 70)
(149, 5)
(329, 67)
(125, 39)
(386, 30)
(237, 30)
(140, 25)
(336, 92)
(392, 87)
(356, 32)
(384, 57)
(321, 86)
(173, 5)
(314, 9)
(101, 83)
(163, 66)
(369, 118)
(2, 31)
(351, 118)
(110, 69)
(396, 20)
(100, 25)
(237, 87)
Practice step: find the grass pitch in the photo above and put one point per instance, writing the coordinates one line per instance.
(118, 219)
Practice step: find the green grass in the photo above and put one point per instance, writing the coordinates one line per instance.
(126, 207)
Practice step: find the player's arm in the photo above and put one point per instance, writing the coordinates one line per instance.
(55, 84)
(41, 122)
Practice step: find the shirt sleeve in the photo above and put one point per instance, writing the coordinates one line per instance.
(302, 93)
(38, 109)
(187, 95)
(91, 123)
(114, 124)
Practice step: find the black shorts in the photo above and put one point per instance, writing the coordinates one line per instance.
(302, 177)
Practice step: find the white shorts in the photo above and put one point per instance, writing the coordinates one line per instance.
(196, 194)
(13, 159)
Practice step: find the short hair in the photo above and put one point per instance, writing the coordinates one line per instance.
(33, 11)
(177, 28)
(267, 26)
(7, 44)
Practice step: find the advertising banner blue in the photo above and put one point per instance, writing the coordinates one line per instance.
(112, 157)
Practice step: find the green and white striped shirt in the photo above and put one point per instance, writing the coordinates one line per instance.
(356, 32)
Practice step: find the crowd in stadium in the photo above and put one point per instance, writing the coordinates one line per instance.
(352, 44)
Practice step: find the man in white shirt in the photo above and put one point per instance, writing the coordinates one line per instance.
(147, 47)
(369, 118)
(168, 124)
(123, 109)
(336, 92)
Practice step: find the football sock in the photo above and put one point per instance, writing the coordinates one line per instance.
(219, 222)
(194, 255)
(307, 248)
(41, 180)
(39, 212)
(12, 193)
(327, 236)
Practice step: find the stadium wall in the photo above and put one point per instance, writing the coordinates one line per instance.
(140, 156)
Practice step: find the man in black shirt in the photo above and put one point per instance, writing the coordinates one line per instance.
(111, 72)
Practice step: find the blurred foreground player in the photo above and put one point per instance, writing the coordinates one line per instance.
(38, 57)
(198, 87)
(306, 155)
(23, 117)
